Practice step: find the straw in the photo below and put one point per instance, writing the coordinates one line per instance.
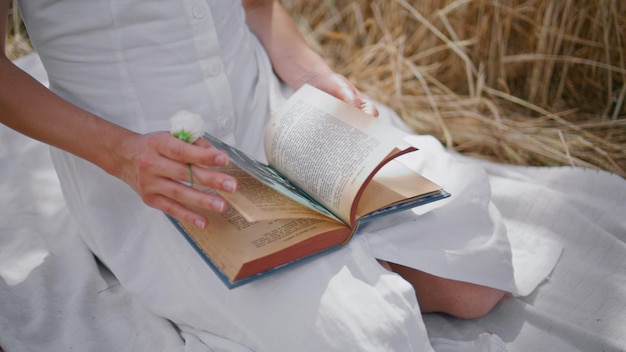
(526, 82)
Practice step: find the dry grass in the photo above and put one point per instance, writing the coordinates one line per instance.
(527, 82)
(17, 38)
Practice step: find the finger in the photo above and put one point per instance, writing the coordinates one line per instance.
(201, 142)
(170, 169)
(213, 179)
(154, 165)
(369, 107)
(186, 195)
(202, 153)
(193, 197)
(176, 210)
(345, 91)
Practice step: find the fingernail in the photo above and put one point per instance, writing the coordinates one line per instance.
(229, 186)
(221, 159)
(199, 224)
(218, 205)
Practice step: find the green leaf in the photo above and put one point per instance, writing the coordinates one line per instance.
(183, 135)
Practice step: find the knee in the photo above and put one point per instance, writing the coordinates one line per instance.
(467, 301)
(457, 298)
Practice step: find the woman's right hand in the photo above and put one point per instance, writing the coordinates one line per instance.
(155, 164)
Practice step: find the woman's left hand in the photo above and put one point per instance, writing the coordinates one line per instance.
(341, 88)
(293, 59)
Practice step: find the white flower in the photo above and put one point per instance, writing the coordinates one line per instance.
(187, 126)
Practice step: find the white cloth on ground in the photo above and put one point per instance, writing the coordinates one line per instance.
(104, 297)
(54, 297)
(464, 238)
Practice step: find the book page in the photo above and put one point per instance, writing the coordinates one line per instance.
(257, 202)
(392, 184)
(269, 177)
(327, 147)
(231, 242)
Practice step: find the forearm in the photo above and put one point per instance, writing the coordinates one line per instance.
(293, 59)
(32, 109)
(152, 164)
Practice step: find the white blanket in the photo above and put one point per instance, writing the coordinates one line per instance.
(54, 296)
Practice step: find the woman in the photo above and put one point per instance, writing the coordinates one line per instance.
(119, 69)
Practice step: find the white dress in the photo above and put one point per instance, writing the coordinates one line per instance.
(136, 63)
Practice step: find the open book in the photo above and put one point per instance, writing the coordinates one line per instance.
(330, 168)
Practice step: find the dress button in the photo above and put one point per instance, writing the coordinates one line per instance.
(225, 123)
(197, 11)
(214, 70)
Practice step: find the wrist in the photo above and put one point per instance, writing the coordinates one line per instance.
(120, 146)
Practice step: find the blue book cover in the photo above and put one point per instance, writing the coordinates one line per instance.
(193, 239)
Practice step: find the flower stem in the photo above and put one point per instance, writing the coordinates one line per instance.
(190, 174)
